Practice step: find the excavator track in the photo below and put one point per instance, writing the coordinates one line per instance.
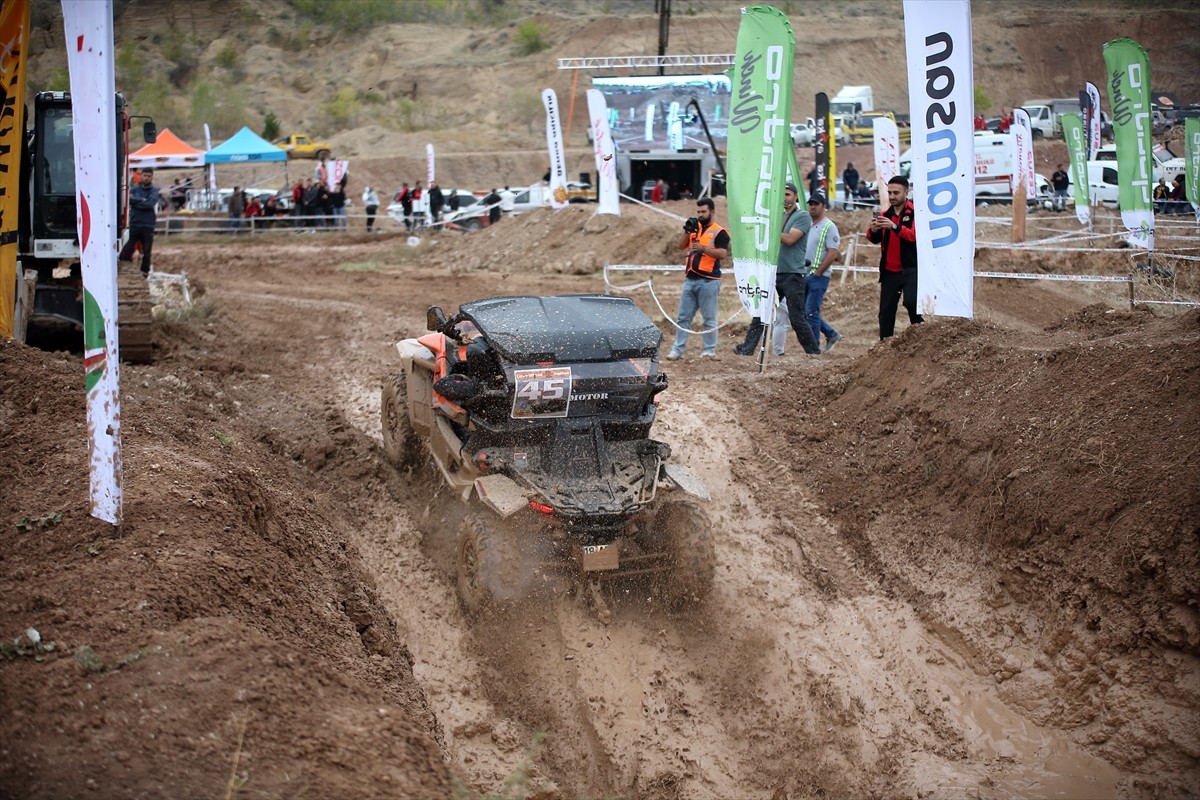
(135, 319)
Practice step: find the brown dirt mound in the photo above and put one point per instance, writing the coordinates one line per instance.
(228, 620)
(1066, 462)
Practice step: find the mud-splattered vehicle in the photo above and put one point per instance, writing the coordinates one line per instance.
(537, 413)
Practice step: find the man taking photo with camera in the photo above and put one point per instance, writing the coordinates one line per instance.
(707, 243)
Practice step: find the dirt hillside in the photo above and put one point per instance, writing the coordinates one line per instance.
(959, 563)
(457, 78)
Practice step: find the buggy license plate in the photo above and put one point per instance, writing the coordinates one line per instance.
(600, 557)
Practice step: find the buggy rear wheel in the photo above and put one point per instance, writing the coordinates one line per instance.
(683, 532)
(399, 439)
(496, 563)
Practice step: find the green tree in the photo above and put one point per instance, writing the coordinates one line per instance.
(270, 130)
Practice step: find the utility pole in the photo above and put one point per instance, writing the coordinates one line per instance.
(663, 7)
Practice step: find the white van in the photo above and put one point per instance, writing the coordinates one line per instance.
(993, 168)
(1166, 164)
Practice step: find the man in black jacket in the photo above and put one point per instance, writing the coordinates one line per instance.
(436, 201)
(893, 230)
(849, 185)
(143, 215)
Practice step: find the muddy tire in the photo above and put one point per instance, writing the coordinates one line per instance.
(399, 441)
(495, 566)
(683, 532)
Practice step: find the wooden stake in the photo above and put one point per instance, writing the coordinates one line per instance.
(1018, 218)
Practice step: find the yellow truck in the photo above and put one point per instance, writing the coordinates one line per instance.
(300, 146)
(861, 127)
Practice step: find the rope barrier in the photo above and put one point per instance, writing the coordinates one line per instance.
(649, 283)
(1036, 276)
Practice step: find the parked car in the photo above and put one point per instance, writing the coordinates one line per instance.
(804, 134)
(471, 214)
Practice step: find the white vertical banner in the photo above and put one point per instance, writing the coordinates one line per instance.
(602, 144)
(212, 168)
(651, 108)
(89, 34)
(429, 171)
(1021, 131)
(337, 172)
(941, 84)
(1092, 122)
(674, 127)
(554, 141)
(887, 155)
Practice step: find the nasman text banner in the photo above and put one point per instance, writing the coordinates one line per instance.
(937, 36)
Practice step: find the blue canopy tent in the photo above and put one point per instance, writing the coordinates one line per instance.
(244, 147)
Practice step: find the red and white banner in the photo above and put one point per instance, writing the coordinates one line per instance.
(1022, 157)
(89, 34)
(554, 141)
(887, 155)
(602, 144)
(941, 92)
(337, 173)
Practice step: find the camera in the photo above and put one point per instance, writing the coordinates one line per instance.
(691, 225)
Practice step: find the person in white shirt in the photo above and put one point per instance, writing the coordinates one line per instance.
(507, 198)
(371, 204)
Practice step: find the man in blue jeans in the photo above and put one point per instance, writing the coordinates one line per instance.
(790, 279)
(823, 244)
(706, 243)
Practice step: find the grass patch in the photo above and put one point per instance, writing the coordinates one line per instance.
(200, 311)
(93, 664)
(44, 521)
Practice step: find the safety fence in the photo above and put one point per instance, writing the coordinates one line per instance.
(1155, 274)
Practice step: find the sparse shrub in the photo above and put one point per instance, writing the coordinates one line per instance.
(342, 108)
(228, 55)
(223, 110)
(527, 104)
(60, 80)
(982, 101)
(530, 39)
(130, 68)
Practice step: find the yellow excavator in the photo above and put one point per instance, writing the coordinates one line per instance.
(50, 300)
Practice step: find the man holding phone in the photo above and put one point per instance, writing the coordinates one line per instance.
(893, 230)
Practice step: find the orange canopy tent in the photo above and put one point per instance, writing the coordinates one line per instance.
(167, 152)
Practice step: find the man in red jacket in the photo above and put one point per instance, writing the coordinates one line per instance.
(893, 230)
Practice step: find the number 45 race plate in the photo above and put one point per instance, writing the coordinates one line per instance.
(544, 392)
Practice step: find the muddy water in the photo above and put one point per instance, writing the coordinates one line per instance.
(796, 672)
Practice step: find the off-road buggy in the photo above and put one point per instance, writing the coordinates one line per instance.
(537, 412)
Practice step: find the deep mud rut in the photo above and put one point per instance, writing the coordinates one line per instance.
(799, 673)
